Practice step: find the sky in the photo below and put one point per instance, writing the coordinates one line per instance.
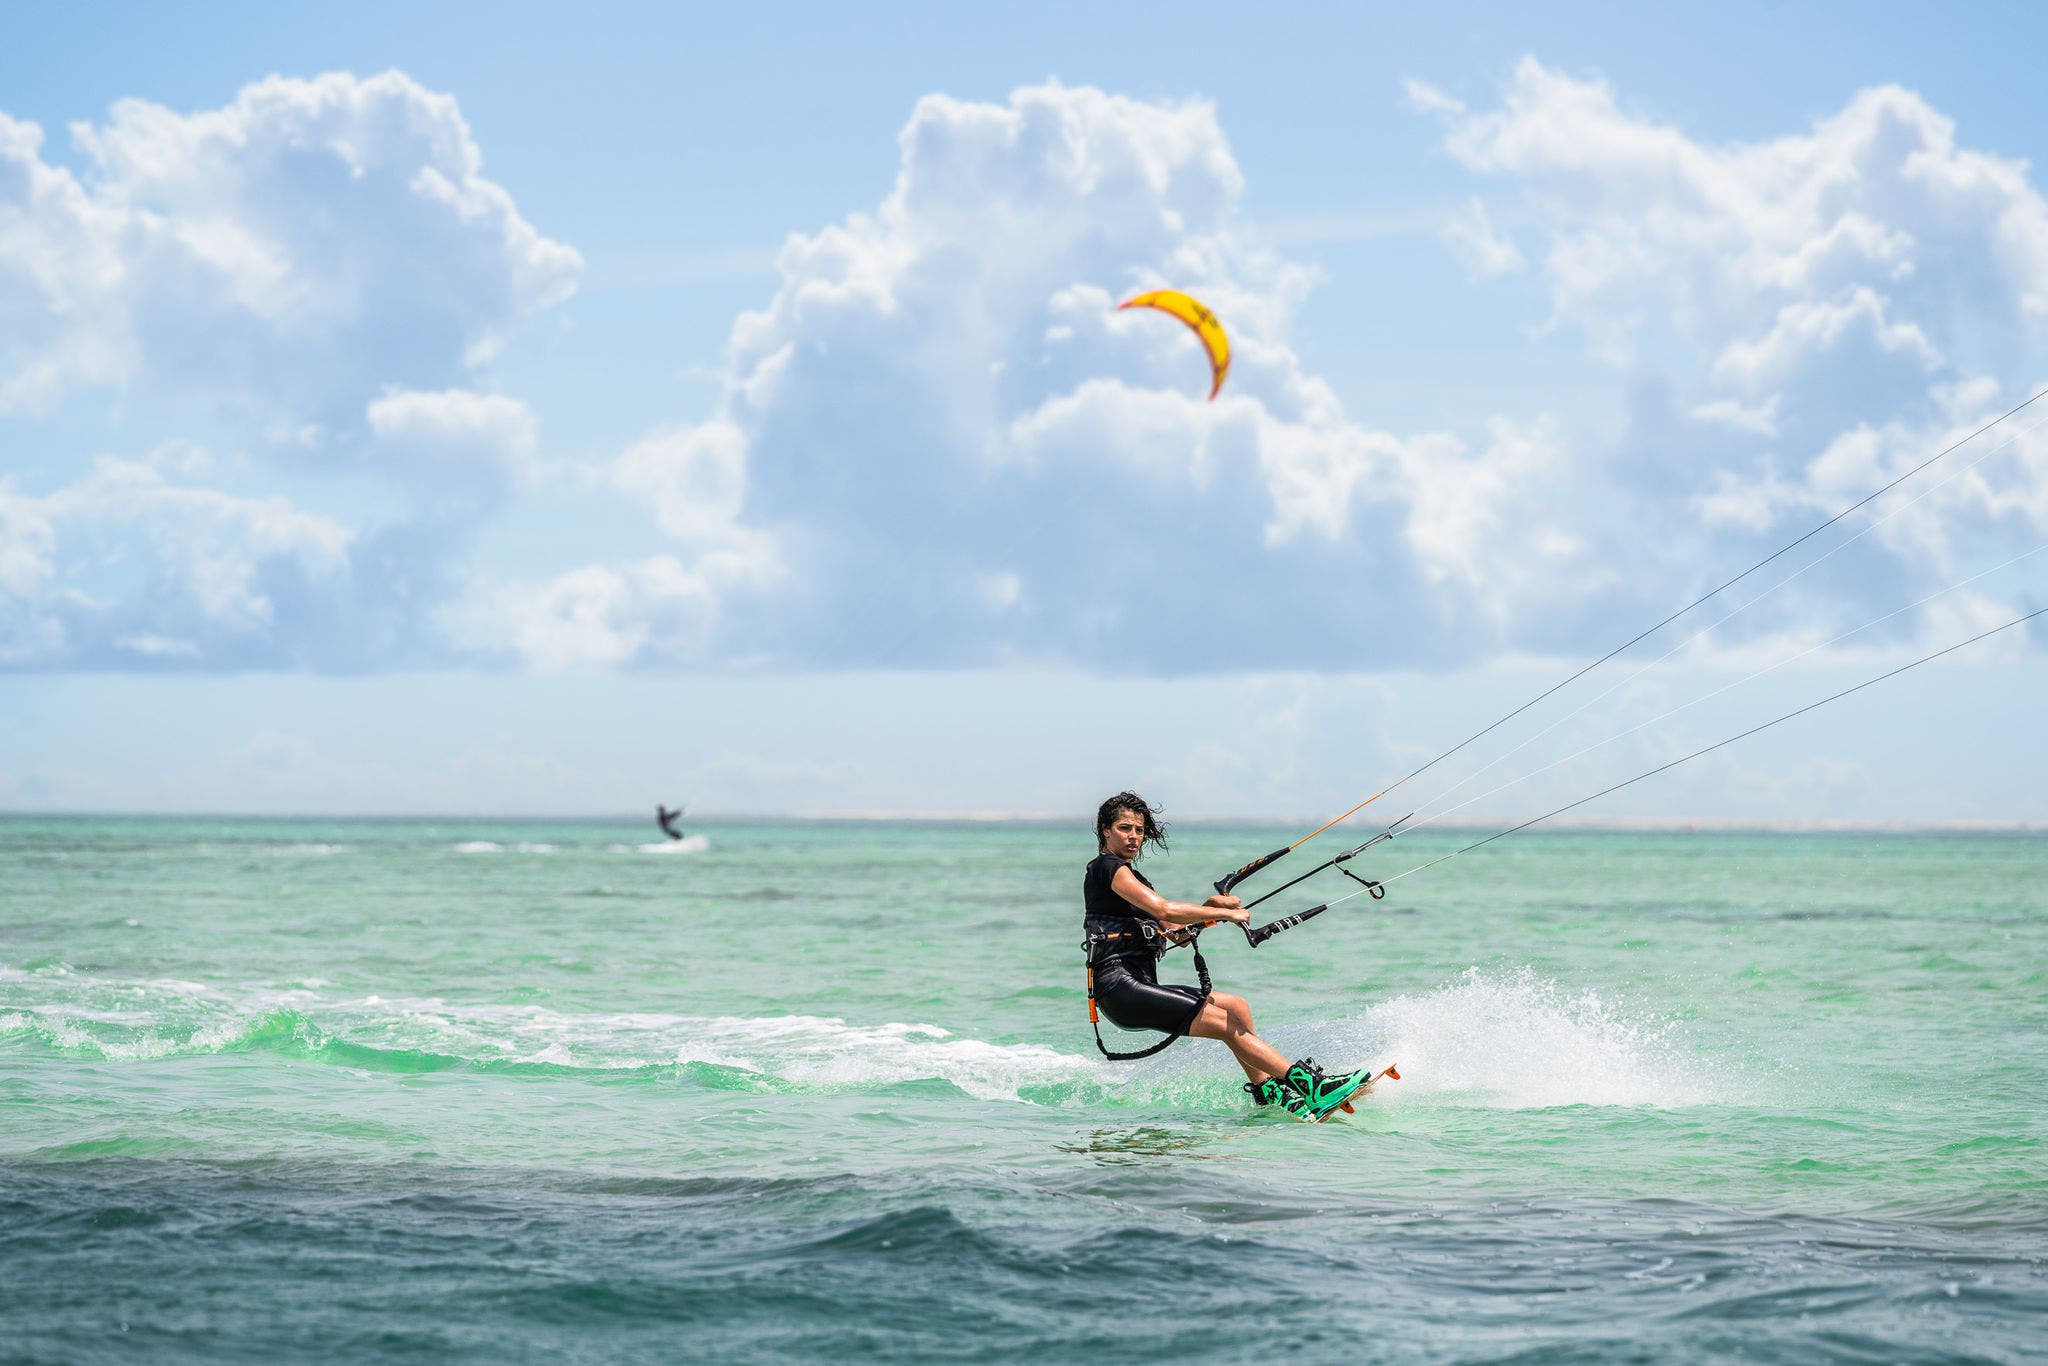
(485, 409)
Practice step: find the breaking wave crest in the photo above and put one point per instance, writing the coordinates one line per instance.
(131, 1021)
(1508, 1040)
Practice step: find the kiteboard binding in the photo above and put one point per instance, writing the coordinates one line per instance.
(1328, 1096)
(1268, 1091)
(1324, 1095)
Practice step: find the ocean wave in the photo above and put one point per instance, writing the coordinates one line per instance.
(146, 1020)
(953, 1262)
(1508, 1040)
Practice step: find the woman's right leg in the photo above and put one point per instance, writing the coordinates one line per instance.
(1229, 1018)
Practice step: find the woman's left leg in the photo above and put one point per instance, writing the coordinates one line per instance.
(1229, 1018)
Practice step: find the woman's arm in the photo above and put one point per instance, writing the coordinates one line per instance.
(1126, 885)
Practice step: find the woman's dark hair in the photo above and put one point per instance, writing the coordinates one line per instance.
(1106, 815)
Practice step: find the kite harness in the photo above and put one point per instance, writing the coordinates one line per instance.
(1106, 949)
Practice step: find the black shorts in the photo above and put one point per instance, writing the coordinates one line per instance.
(1132, 1001)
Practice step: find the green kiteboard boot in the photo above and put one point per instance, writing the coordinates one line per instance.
(1320, 1094)
(1269, 1091)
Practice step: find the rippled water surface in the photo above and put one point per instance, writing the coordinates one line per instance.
(535, 1091)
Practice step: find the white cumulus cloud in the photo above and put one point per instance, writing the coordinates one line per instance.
(456, 439)
(316, 274)
(306, 247)
(133, 565)
(939, 443)
(1829, 307)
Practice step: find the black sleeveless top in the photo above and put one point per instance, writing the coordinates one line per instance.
(1108, 913)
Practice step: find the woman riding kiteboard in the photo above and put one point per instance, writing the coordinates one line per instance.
(1129, 925)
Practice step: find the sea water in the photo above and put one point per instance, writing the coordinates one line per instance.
(533, 1091)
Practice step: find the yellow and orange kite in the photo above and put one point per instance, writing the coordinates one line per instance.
(1191, 311)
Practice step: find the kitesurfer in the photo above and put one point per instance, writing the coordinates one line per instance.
(667, 820)
(1129, 924)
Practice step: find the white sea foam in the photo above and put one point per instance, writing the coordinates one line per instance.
(63, 1029)
(830, 1053)
(688, 844)
(802, 1050)
(177, 986)
(1518, 1041)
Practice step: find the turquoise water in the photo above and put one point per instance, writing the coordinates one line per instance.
(545, 1091)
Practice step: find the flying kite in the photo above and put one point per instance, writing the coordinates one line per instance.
(1196, 315)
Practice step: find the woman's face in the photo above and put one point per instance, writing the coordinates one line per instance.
(1125, 835)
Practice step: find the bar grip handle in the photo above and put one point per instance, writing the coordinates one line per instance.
(1230, 880)
(1288, 922)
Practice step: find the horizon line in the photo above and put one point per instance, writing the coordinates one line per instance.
(1615, 825)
